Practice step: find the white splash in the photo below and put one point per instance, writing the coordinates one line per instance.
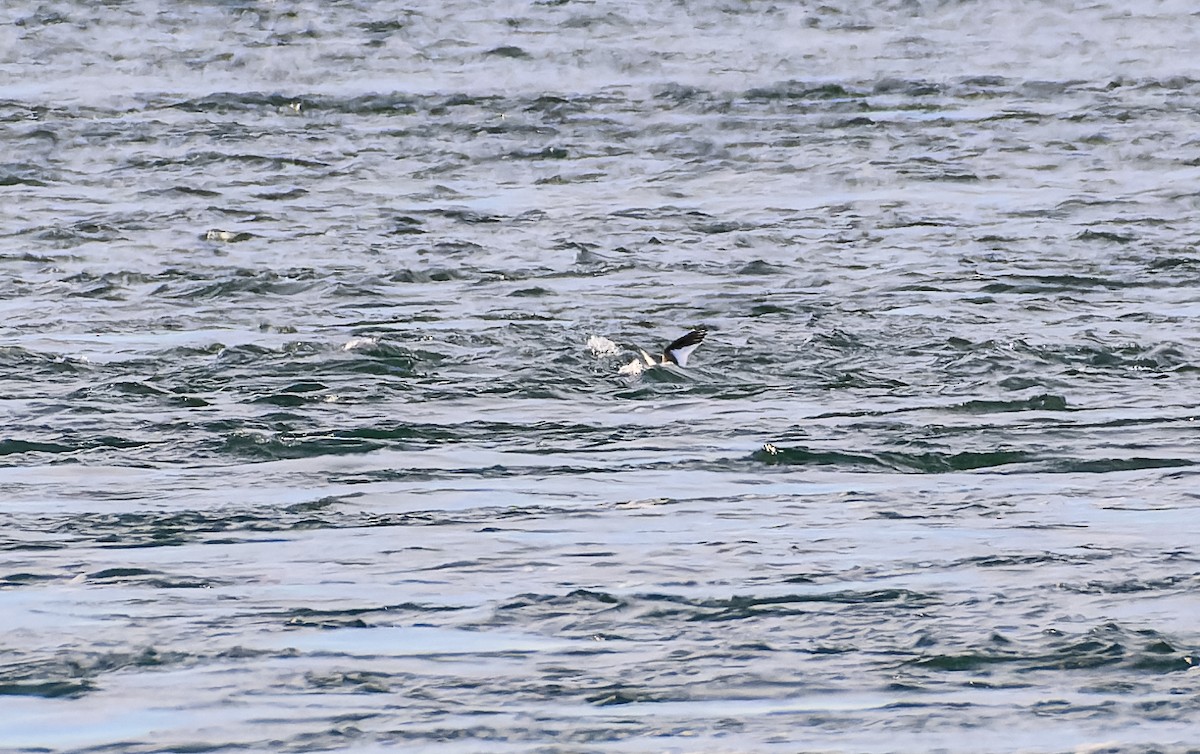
(601, 346)
(633, 368)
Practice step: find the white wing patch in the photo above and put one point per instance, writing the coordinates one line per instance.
(681, 354)
(681, 349)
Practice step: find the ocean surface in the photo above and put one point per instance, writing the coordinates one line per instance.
(313, 434)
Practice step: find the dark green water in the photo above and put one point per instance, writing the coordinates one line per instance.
(314, 435)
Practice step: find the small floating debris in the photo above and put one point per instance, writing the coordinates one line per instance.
(355, 344)
(226, 236)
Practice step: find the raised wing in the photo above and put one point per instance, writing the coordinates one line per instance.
(679, 351)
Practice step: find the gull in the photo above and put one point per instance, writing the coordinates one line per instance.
(677, 352)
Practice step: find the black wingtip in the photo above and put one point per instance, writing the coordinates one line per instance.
(691, 340)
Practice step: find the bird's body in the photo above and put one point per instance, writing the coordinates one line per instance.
(678, 351)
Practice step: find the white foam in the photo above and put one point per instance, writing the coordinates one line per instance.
(601, 346)
(633, 368)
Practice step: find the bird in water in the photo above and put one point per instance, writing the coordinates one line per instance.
(677, 352)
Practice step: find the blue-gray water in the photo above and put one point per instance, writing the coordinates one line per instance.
(304, 446)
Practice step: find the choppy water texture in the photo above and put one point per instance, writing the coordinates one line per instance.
(304, 446)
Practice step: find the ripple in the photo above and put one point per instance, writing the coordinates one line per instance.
(307, 418)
